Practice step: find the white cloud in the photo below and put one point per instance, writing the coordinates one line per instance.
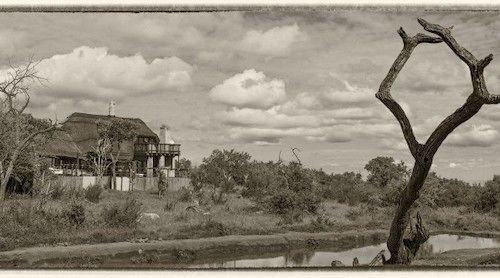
(94, 74)
(271, 135)
(477, 136)
(350, 95)
(343, 96)
(275, 41)
(266, 118)
(249, 89)
(354, 113)
(453, 165)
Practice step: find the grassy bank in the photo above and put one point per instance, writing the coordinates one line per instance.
(53, 221)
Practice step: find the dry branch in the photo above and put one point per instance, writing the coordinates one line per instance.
(403, 250)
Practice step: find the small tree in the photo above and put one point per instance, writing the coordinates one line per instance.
(20, 133)
(99, 156)
(114, 133)
(222, 171)
(403, 250)
(383, 170)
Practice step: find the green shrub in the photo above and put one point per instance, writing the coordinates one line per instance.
(76, 214)
(93, 193)
(125, 214)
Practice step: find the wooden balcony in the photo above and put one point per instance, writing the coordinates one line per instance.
(152, 149)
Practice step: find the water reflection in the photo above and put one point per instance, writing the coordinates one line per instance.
(323, 258)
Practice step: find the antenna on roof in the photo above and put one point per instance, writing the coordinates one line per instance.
(112, 105)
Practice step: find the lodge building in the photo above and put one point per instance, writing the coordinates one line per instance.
(146, 155)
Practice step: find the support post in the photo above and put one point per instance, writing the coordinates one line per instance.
(149, 167)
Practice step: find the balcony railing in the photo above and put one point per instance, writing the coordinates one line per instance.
(173, 149)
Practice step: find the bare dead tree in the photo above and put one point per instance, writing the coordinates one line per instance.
(100, 158)
(403, 250)
(295, 154)
(19, 130)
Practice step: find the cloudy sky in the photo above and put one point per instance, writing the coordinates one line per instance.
(265, 81)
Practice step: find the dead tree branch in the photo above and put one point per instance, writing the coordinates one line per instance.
(402, 251)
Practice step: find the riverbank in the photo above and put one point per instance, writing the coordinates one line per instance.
(156, 253)
(488, 257)
(126, 253)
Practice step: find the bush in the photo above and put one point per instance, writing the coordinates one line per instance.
(290, 205)
(56, 191)
(162, 184)
(353, 214)
(169, 205)
(185, 195)
(281, 202)
(123, 215)
(76, 214)
(93, 193)
(321, 223)
(208, 228)
(75, 192)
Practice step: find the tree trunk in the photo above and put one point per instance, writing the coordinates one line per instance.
(5, 177)
(401, 253)
(113, 174)
(404, 249)
(3, 188)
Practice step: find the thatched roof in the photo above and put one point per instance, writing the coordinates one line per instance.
(79, 136)
(61, 144)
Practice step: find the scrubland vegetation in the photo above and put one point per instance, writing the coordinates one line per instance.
(231, 194)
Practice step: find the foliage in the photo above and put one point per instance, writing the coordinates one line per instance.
(489, 196)
(292, 194)
(75, 214)
(169, 205)
(221, 172)
(185, 195)
(162, 184)
(347, 187)
(382, 170)
(124, 214)
(93, 193)
(56, 191)
(113, 134)
(185, 166)
(207, 228)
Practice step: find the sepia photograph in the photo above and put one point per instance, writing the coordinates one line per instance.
(250, 137)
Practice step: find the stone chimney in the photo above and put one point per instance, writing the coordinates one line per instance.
(112, 105)
(165, 137)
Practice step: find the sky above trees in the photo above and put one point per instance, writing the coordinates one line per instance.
(265, 81)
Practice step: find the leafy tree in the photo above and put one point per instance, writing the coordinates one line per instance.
(185, 166)
(115, 133)
(489, 196)
(382, 170)
(222, 172)
(264, 177)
